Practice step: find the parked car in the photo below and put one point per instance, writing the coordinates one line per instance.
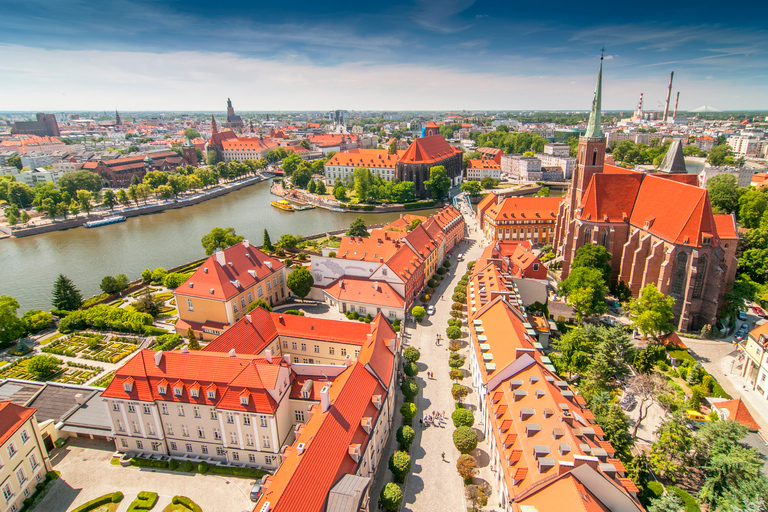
(742, 332)
(759, 311)
(256, 492)
(431, 310)
(742, 315)
(460, 257)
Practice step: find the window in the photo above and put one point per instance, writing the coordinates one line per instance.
(251, 458)
(189, 447)
(184, 431)
(263, 421)
(274, 281)
(155, 446)
(201, 432)
(281, 277)
(164, 407)
(249, 439)
(234, 306)
(189, 305)
(265, 441)
(242, 302)
(211, 395)
(357, 354)
(39, 477)
(173, 446)
(195, 392)
(269, 286)
(139, 445)
(246, 419)
(177, 391)
(293, 345)
(235, 456)
(282, 293)
(147, 409)
(115, 406)
(303, 347)
(285, 344)
(362, 310)
(124, 443)
(7, 492)
(196, 411)
(243, 401)
(269, 459)
(679, 274)
(232, 438)
(150, 429)
(120, 426)
(535, 267)
(259, 291)
(295, 359)
(131, 407)
(135, 427)
(317, 349)
(216, 434)
(250, 297)
(231, 417)
(331, 350)
(161, 389)
(299, 416)
(701, 273)
(305, 361)
(33, 461)
(344, 352)
(220, 451)
(204, 449)
(214, 416)
(181, 410)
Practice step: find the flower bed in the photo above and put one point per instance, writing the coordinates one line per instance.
(70, 373)
(93, 347)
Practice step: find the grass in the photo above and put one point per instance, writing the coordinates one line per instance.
(52, 338)
(115, 461)
(164, 296)
(94, 299)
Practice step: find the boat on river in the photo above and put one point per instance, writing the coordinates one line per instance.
(283, 205)
(103, 222)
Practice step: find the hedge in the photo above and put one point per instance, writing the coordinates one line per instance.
(183, 500)
(149, 463)
(144, 501)
(688, 501)
(231, 471)
(419, 204)
(115, 497)
(107, 318)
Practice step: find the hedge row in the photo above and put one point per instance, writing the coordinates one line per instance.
(115, 497)
(419, 204)
(183, 500)
(106, 318)
(202, 467)
(144, 501)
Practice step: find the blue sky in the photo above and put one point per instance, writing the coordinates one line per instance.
(414, 55)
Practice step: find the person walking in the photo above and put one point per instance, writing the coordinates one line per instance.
(443, 455)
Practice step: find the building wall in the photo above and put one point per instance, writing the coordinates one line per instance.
(21, 471)
(539, 231)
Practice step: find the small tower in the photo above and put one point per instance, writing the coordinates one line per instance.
(118, 121)
(213, 125)
(431, 129)
(190, 155)
(230, 108)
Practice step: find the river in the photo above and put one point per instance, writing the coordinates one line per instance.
(29, 266)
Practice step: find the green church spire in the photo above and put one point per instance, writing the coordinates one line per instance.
(595, 117)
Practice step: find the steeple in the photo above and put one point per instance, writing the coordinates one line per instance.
(229, 103)
(595, 117)
(213, 125)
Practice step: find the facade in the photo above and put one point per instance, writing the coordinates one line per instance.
(23, 458)
(479, 169)
(45, 125)
(521, 218)
(519, 166)
(246, 148)
(39, 175)
(451, 221)
(34, 160)
(755, 369)
(517, 259)
(558, 155)
(220, 291)
(339, 142)
(488, 153)
(118, 172)
(357, 294)
(425, 153)
(743, 174)
(378, 161)
(747, 147)
(659, 229)
(234, 122)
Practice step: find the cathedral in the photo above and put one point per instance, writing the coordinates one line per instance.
(659, 228)
(234, 122)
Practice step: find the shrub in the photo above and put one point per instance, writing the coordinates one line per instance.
(456, 374)
(456, 314)
(202, 467)
(405, 436)
(447, 264)
(149, 463)
(419, 204)
(332, 254)
(408, 410)
(455, 361)
(99, 502)
(466, 465)
(454, 345)
(459, 297)
(144, 501)
(688, 501)
(411, 354)
(183, 500)
(454, 322)
(174, 280)
(465, 439)
(355, 315)
(188, 466)
(173, 464)
(294, 312)
(459, 392)
(400, 465)
(432, 283)
(411, 369)
(441, 271)
(463, 418)
(453, 333)
(117, 497)
(457, 306)
(410, 389)
(391, 497)
(288, 262)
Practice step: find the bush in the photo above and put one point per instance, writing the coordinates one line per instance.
(455, 361)
(288, 262)
(202, 467)
(294, 312)
(149, 463)
(466, 465)
(411, 369)
(459, 297)
(457, 306)
(173, 464)
(188, 466)
(405, 436)
(105, 317)
(183, 500)
(456, 314)
(419, 204)
(453, 333)
(465, 439)
(411, 354)
(391, 497)
(332, 254)
(400, 465)
(688, 501)
(408, 410)
(459, 392)
(454, 345)
(410, 389)
(174, 280)
(99, 502)
(432, 283)
(456, 374)
(144, 501)
(441, 271)
(453, 322)
(463, 418)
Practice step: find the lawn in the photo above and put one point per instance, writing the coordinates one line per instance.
(52, 338)
(66, 372)
(97, 347)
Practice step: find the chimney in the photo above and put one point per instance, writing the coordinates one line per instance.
(354, 452)
(249, 318)
(232, 353)
(325, 399)
(79, 399)
(348, 360)
(268, 355)
(246, 244)
(281, 319)
(220, 258)
(564, 466)
(300, 448)
(185, 349)
(158, 358)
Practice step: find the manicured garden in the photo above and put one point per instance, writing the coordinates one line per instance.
(49, 369)
(97, 347)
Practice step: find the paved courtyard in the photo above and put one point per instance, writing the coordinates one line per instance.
(87, 474)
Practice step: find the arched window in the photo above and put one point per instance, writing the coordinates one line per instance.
(701, 273)
(588, 235)
(678, 277)
(604, 238)
(594, 157)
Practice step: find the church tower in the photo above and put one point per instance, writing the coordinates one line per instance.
(213, 125)
(190, 155)
(230, 109)
(591, 154)
(118, 121)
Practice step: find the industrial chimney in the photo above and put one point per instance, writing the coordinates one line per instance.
(676, 102)
(669, 96)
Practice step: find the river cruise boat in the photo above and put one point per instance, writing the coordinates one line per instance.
(103, 222)
(283, 205)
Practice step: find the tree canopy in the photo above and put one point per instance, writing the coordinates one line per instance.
(219, 238)
(11, 327)
(300, 282)
(586, 291)
(358, 228)
(652, 312)
(65, 295)
(594, 256)
(438, 183)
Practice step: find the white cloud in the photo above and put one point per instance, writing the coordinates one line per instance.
(56, 80)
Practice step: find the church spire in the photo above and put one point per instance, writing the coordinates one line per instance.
(213, 125)
(595, 117)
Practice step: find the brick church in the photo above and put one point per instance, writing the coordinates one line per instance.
(426, 152)
(658, 228)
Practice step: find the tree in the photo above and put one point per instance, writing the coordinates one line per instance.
(411, 369)
(652, 312)
(586, 291)
(287, 241)
(465, 439)
(110, 285)
(300, 282)
(340, 193)
(392, 148)
(219, 238)
(477, 495)
(174, 280)
(543, 192)
(357, 228)
(193, 343)
(726, 470)
(466, 465)
(11, 327)
(621, 291)
(391, 497)
(453, 333)
(148, 304)
(411, 354)
(458, 391)
(414, 223)
(645, 388)
(14, 161)
(109, 199)
(670, 453)
(418, 313)
(42, 365)
(400, 465)
(267, 244)
(723, 191)
(473, 188)
(405, 436)
(363, 183)
(85, 197)
(71, 182)
(191, 134)
(311, 187)
(488, 183)
(667, 503)
(65, 295)
(438, 183)
(301, 177)
(320, 188)
(165, 191)
(305, 144)
(594, 256)
(259, 304)
(752, 206)
(610, 361)
(719, 154)
(462, 418)
(291, 163)
(408, 411)
(575, 349)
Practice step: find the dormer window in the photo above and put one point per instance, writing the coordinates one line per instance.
(177, 391)
(161, 389)
(243, 400)
(211, 394)
(195, 392)
(128, 387)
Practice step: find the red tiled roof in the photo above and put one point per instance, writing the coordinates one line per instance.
(250, 335)
(688, 179)
(12, 417)
(726, 226)
(248, 144)
(368, 158)
(738, 412)
(428, 150)
(525, 208)
(482, 164)
(360, 289)
(610, 197)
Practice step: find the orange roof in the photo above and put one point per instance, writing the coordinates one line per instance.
(403, 222)
(610, 197)
(525, 208)
(428, 150)
(331, 138)
(12, 417)
(248, 144)
(446, 215)
(368, 158)
(738, 412)
(688, 179)
(483, 164)
(486, 202)
(244, 266)
(726, 226)
(379, 247)
(673, 339)
(360, 289)
(569, 490)
(421, 242)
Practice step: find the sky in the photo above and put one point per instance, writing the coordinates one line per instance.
(60, 55)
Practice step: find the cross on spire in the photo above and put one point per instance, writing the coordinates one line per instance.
(602, 52)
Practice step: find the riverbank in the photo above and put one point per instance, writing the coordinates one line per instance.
(145, 209)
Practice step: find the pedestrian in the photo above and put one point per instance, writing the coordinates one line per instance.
(421, 422)
(443, 455)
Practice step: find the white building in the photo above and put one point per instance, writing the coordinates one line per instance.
(518, 166)
(745, 146)
(743, 174)
(558, 155)
(479, 169)
(378, 161)
(33, 160)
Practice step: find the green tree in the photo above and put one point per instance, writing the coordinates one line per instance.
(42, 366)
(718, 154)
(148, 304)
(71, 182)
(287, 241)
(291, 163)
(259, 304)
(340, 193)
(671, 452)
(300, 282)
(36, 320)
(193, 343)
(14, 161)
(357, 228)
(458, 391)
(418, 313)
(392, 148)
(466, 465)
(219, 238)
(65, 295)
(453, 333)
(363, 182)
(165, 191)
(305, 144)
(410, 389)
(405, 436)
(465, 439)
(611, 357)
(191, 134)
(462, 418)
(473, 188)
(488, 183)
(408, 411)
(411, 354)
(11, 327)
(400, 465)
(174, 280)
(267, 244)
(586, 291)
(575, 349)
(311, 187)
(391, 497)
(413, 224)
(109, 285)
(651, 313)
(85, 197)
(752, 206)
(594, 256)
(754, 259)
(723, 191)
(109, 199)
(438, 183)
(320, 188)
(301, 177)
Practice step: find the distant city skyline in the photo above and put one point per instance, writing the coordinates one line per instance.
(139, 55)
